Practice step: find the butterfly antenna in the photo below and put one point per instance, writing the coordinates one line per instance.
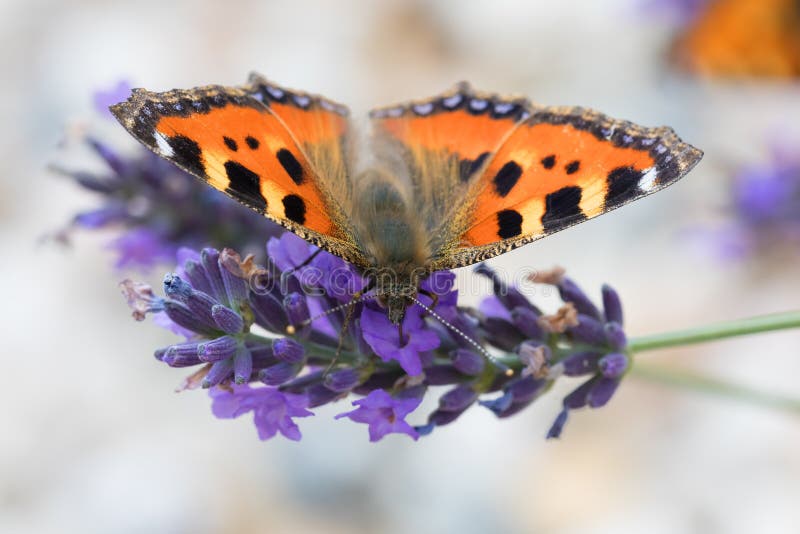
(500, 365)
(292, 329)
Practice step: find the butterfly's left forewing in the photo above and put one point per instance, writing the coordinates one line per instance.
(560, 167)
(274, 150)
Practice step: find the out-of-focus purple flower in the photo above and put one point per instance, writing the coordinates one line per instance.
(384, 414)
(676, 12)
(764, 210)
(766, 198)
(141, 248)
(273, 411)
(105, 98)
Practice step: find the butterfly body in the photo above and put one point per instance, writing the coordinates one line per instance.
(454, 179)
(392, 239)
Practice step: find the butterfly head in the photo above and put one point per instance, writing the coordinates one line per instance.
(395, 305)
(395, 293)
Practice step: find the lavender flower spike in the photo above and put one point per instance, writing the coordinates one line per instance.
(278, 377)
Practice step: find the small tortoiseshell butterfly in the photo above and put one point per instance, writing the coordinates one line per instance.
(450, 180)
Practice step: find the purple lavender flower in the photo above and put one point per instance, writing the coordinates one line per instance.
(216, 299)
(589, 342)
(601, 343)
(384, 414)
(272, 410)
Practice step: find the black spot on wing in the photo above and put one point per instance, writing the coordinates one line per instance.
(244, 184)
(549, 162)
(507, 178)
(252, 142)
(509, 224)
(623, 186)
(186, 153)
(562, 208)
(230, 143)
(468, 167)
(572, 167)
(291, 165)
(294, 208)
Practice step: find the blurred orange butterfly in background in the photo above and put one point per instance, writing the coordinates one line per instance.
(742, 38)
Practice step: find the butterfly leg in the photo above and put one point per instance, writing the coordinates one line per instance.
(434, 299)
(289, 272)
(348, 316)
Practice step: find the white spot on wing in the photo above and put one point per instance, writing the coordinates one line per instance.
(423, 109)
(451, 102)
(302, 100)
(648, 180)
(275, 92)
(478, 104)
(503, 107)
(164, 147)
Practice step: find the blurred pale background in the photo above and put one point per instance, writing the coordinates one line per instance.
(92, 438)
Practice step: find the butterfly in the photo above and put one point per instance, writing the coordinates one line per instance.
(446, 182)
(740, 38)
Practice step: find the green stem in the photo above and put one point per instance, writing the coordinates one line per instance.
(695, 382)
(702, 334)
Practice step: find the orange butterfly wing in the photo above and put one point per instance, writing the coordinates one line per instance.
(560, 167)
(460, 122)
(502, 172)
(246, 142)
(445, 142)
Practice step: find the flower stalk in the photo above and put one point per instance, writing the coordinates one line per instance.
(713, 332)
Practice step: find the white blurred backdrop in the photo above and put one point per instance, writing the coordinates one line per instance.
(92, 437)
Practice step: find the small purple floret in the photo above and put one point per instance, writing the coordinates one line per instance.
(384, 339)
(288, 350)
(384, 414)
(273, 411)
